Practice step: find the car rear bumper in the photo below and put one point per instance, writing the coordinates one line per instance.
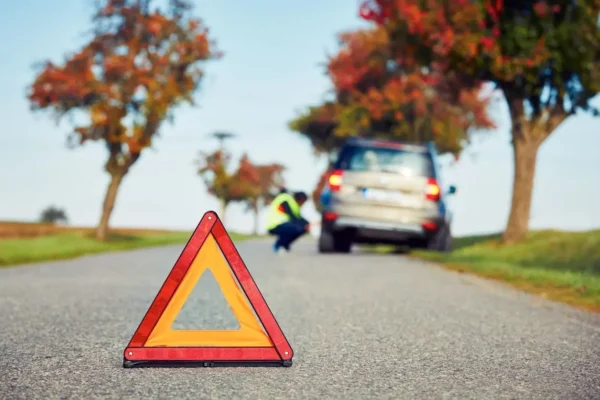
(371, 231)
(347, 222)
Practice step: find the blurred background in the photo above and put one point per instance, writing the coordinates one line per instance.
(272, 69)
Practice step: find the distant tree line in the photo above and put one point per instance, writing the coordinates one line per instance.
(53, 215)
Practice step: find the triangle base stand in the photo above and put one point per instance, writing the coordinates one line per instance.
(206, 364)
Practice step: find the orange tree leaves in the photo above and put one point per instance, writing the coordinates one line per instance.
(270, 181)
(381, 94)
(257, 184)
(214, 171)
(249, 182)
(318, 125)
(138, 66)
(360, 63)
(253, 183)
(542, 52)
(244, 180)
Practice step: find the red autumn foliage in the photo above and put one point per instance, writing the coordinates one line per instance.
(244, 180)
(270, 179)
(249, 183)
(463, 33)
(220, 181)
(381, 94)
(354, 67)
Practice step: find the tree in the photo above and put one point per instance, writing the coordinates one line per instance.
(254, 185)
(126, 81)
(261, 194)
(318, 124)
(53, 214)
(227, 186)
(378, 94)
(214, 171)
(543, 55)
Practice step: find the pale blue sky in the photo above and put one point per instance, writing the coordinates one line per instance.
(273, 51)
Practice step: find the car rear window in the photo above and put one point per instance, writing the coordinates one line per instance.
(382, 159)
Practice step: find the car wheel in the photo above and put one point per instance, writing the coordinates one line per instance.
(441, 241)
(447, 248)
(343, 244)
(331, 243)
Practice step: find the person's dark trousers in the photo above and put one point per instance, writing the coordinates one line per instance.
(287, 233)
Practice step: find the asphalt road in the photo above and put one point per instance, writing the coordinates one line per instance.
(363, 326)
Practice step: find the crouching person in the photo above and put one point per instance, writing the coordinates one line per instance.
(285, 221)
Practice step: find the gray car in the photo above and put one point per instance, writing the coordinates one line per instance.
(385, 192)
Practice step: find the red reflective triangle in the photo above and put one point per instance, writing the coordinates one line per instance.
(138, 353)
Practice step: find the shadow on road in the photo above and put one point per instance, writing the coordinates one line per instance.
(309, 248)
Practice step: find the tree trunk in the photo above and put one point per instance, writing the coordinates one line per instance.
(107, 208)
(527, 136)
(222, 209)
(525, 156)
(255, 211)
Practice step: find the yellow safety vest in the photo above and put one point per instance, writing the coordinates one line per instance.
(276, 216)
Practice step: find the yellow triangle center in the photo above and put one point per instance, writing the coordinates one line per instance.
(250, 333)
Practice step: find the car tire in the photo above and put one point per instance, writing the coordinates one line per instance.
(441, 241)
(331, 243)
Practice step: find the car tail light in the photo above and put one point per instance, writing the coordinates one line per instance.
(330, 216)
(432, 190)
(335, 180)
(429, 226)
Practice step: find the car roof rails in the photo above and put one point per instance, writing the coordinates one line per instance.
(361, 141)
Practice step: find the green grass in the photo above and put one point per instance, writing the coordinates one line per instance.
(563, 266)
(60, 246)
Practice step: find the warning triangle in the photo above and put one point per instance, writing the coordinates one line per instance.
(259, 341)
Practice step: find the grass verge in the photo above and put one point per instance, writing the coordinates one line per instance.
(561, 266)
(65, 243)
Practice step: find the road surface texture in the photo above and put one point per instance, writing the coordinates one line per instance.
(363, 326)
